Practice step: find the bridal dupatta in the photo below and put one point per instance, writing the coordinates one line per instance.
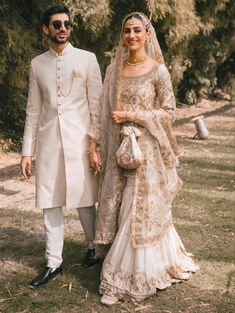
(156, 180)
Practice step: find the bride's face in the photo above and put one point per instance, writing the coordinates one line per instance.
(134, 35)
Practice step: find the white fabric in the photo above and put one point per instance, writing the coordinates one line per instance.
(54, 231)
(138, 272)
(87, 219)
(64, 91)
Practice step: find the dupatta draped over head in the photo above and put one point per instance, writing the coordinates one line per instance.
(151, 206)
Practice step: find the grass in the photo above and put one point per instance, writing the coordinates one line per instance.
(203, 216)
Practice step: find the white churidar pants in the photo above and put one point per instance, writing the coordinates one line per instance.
(54, 231)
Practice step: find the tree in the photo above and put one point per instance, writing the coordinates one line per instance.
(196, 36)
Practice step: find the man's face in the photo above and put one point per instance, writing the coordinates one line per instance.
(59, 28)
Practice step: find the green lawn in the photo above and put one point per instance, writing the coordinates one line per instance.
(203, 218)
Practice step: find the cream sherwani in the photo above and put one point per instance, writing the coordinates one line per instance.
(64, 91)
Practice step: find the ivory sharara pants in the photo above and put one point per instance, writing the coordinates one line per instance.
(54, 231)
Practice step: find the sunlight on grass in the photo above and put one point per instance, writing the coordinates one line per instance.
(203, 216)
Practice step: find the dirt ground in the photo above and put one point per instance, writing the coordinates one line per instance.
(212, 245)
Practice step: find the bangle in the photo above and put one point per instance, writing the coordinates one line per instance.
(134, 116)
(90, 151)
(92, 140)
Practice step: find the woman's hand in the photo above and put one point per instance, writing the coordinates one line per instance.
(123, 116)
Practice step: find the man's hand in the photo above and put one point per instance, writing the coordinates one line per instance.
(26, 166)
(95, 161)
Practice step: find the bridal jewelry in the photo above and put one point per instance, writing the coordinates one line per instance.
(136, 60)
(132, 20)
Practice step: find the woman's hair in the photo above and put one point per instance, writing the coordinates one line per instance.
(51, 11)
(144, 20)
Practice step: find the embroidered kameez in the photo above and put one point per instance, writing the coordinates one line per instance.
(134, 212)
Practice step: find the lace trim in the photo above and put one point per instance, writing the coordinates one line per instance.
(151, 217)
(104, 238)
(150, 241)
(137, 286)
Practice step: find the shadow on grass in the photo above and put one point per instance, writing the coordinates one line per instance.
(89, 278)
(28, 249)
(208, 243)
(221, 110)
(12, 171)
(208, 164)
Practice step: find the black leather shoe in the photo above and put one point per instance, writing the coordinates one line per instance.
(45, 276)
(90, 259)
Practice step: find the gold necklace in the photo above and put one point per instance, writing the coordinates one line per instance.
(136, 60)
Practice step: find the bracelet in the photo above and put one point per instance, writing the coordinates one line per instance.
(92, 140)
(90, 151)
(134, 117)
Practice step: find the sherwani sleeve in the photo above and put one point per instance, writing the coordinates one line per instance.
(33, 111)
(94, 87)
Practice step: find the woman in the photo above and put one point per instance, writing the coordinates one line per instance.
(134, 212)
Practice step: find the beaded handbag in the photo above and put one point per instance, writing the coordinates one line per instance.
(129, 155)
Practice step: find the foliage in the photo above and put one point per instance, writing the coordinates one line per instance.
(21, 41)
(93, 23)
(181, 21)
(196, 36)
(211, 51)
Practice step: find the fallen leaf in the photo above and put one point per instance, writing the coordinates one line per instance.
(65, 285)
(86, 296)
(70, 286)
(143, 307)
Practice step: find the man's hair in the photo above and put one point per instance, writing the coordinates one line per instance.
(51, 11)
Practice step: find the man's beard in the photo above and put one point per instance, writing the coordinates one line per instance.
(56, 40)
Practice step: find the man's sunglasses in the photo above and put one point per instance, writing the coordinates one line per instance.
(58, 24)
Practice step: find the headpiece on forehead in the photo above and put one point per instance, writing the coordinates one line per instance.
(153, 50)
(140, 16)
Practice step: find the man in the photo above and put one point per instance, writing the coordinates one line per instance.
(64, 92)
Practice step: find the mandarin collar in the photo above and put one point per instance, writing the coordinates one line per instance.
(65, 51)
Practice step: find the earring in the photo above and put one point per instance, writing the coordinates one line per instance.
(147, 43)
(123, 43)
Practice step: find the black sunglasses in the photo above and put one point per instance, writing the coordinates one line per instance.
(58, 24)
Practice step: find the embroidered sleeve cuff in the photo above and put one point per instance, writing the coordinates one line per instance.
(94, 136)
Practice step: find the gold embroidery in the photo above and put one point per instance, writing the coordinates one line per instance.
(156, 181)
(138, 285)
